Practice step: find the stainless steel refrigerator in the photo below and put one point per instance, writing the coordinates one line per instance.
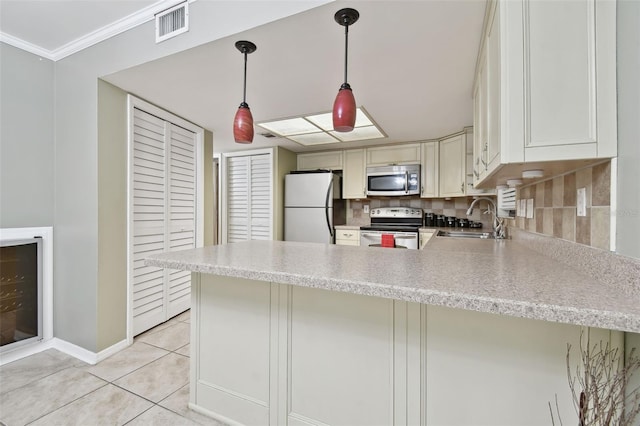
(312, 206)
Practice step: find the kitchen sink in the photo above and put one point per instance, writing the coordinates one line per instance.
(467, 234)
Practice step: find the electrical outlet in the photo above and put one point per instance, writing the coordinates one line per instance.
(581, 200)
(366, 208)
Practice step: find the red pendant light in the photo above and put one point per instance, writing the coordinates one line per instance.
(243, 122)
(344, 107)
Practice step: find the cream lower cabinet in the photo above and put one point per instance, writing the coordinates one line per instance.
(275, 354)
(348, 237)
(353, 174)
(424, 237)
(453, 154)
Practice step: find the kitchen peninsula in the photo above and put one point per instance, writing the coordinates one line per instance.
(461, 332)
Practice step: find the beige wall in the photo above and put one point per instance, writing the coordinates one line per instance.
(112, 216)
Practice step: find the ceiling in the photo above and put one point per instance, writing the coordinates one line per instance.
(411, 66)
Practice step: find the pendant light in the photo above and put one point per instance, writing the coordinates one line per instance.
(243, 122)
(344, 107)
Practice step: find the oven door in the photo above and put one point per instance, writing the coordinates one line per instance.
(407, 240)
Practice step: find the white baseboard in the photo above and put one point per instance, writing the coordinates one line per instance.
(85, 355)
(63, 346)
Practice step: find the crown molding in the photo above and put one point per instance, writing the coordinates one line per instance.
(128, 22)
(26, 46)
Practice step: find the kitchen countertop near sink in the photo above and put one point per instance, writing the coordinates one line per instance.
(504, 277)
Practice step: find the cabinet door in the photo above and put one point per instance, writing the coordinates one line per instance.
(397, 154)
(479, 124)
(331, 160)
(430, 169)
(353, 174)
(452, 166)
(491, 83)
(569, 78)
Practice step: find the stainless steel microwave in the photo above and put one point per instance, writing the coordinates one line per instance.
(393, 180)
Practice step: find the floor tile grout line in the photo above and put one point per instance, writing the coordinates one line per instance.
(3, 395)
(70, 402)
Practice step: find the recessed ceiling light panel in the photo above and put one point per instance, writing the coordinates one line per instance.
(320, 138)
(317, 129)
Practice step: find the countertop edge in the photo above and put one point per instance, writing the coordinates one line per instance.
(539, 311)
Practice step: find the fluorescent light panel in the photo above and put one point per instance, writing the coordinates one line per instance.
(317, 129)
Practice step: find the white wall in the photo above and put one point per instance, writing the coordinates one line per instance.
(628, 58)
(26, 139)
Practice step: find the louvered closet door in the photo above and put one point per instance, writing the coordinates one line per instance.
(260, 198)
(149, 219)
(249, 184)
(182, 213)
(237, 199)
(164, 216)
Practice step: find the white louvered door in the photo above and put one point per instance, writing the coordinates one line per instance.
(249, 185)
(182, 213)
(163, 216)
(149, 219)
(260, 197)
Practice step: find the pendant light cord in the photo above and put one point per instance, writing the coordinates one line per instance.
(346, 51)
(244, 90)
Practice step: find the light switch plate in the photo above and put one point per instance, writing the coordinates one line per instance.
(581, 200)
(366, 208)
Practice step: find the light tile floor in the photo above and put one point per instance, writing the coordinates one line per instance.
(144, 384)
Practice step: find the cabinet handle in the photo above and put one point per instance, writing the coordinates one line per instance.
(485, 149)
(462, 187)
(475, 173)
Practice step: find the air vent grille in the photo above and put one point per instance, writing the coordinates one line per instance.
(171, 22)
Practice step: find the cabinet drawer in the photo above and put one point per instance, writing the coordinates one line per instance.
(345, 236)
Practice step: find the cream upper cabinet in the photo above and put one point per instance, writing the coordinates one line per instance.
(453, 154)
(545, 86)
(329, 160)
(430, 169)
(353, 174)
(395, 154)
(471, 167)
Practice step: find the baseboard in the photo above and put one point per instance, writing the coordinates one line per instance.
(85, 355)
(63, 346)
(24, 351)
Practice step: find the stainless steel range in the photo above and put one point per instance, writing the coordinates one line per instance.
(392, 227)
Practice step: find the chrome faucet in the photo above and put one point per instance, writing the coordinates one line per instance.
(498, 226)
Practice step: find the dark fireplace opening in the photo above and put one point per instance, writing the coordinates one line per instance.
(20, 291)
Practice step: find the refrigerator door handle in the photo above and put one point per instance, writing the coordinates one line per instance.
(326, 208)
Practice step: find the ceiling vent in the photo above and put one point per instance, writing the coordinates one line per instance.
(268, 135)
(172, 21)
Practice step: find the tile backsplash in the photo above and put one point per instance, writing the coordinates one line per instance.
(449, 207)
(555, 206)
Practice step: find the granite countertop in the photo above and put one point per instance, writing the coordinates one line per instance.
(503, 277)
